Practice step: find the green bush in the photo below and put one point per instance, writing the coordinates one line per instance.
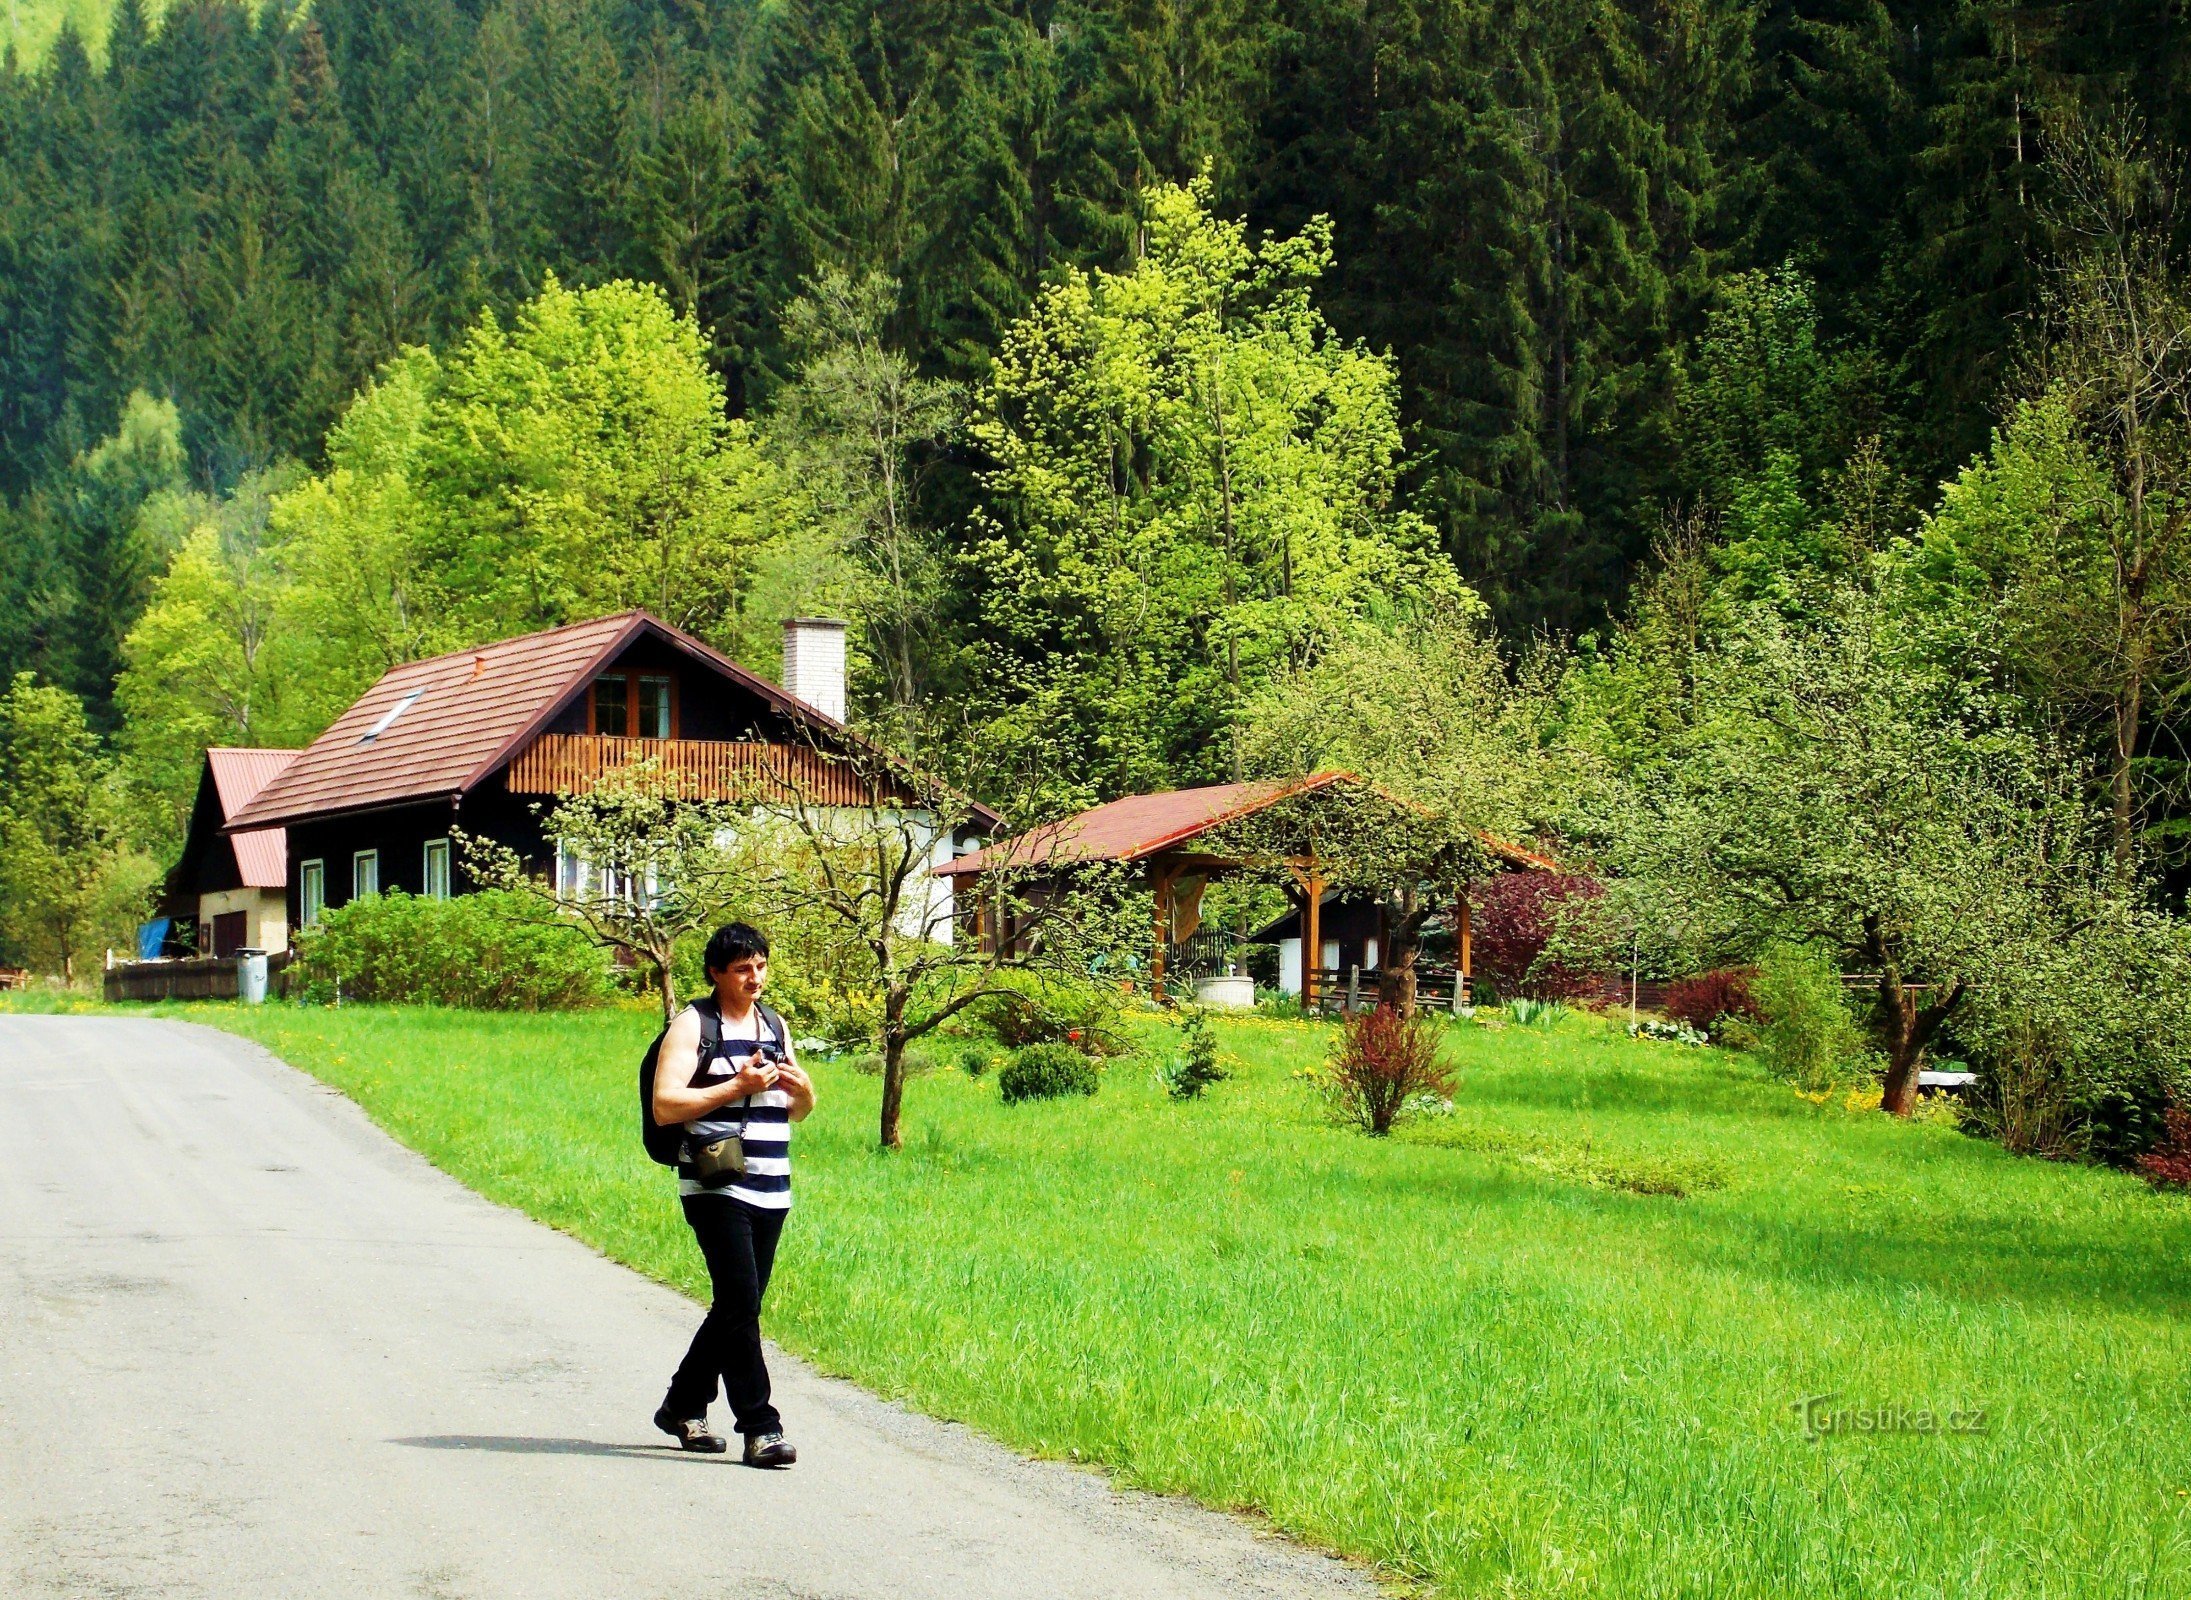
(976, 1057)
(1807, 1034)
(1051, 1011)
(1046, 1072)
(497, 951)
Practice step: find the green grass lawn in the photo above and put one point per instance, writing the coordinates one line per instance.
(1478, 1354)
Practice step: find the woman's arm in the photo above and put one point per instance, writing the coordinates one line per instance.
(678, 1101)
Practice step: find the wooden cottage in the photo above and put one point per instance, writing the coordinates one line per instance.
(483, 739)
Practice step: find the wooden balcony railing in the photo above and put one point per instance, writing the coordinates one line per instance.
(693, 769)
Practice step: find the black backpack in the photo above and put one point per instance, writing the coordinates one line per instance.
(665, 1143)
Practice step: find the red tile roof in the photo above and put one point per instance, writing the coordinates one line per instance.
(1139, 825)
(438, 728)
(1143, 824)
(239, 774)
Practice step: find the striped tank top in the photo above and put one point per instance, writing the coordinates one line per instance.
(766, 1118)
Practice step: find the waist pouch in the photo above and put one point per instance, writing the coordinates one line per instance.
(717, 1161)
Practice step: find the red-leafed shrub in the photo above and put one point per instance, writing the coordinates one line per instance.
(1379, 1063)
(1702, 1000)
(1515, 916)
(2169, 1162)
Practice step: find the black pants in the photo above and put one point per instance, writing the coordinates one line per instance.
(739, 1242)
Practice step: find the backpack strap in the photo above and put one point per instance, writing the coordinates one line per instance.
(711, 1028)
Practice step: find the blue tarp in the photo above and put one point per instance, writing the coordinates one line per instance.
(152, 937)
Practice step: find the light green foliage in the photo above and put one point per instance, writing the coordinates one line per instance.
(69, 881)
(212, 661)
(580, 462)
(1837, 791)
(1245, 1304)
(1773, 447)
(1808, 1035)
(1430, 713)
(573, 463)
(653, 872)
(2032, 569)
(1194, 488)
(2086, 1038)
(1762, 399)
(493, 951)
(852, 431)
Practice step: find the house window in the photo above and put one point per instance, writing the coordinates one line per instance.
(570, 873)
(654, 717)
(629, 705)
(612, 706)
(393, 712)
(364, 873)
(311, 892)
(434, 879)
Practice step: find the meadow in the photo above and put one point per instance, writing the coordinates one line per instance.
(1556, 1342)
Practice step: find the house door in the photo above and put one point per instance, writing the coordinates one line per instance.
(228, 933)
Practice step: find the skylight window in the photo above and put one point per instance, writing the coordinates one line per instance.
(393, 712)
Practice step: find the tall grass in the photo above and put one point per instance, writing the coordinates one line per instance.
(1548, 1344)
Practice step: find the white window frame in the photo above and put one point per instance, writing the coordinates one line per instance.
(433, 871)
(311, 892)
(364, 864)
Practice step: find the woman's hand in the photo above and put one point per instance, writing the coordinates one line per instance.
(792, 1079)
(755, 1073)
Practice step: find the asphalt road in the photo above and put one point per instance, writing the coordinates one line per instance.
(251, 1347)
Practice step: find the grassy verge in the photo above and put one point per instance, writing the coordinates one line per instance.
(1549, 1344)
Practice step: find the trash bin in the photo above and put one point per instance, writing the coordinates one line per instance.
(251, 977)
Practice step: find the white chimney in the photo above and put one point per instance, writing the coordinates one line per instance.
(814, 663)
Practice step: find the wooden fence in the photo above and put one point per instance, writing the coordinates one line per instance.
(193, 978)
(691, 769)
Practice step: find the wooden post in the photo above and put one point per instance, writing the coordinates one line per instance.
(1312, 935)
(1160, 886)
(1464, 963)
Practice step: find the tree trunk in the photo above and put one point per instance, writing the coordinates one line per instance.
(1400, 926)
(1905, 1027)
(893, 1092)
(893, 1071)
(2127, 710)
(665, 984)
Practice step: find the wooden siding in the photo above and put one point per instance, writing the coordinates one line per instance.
(696, 769)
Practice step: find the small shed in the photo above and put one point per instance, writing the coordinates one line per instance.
(229, 891)
(1167, 836)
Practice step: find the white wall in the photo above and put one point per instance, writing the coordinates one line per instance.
(266, 916)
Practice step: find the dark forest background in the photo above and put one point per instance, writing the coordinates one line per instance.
(1532, 203)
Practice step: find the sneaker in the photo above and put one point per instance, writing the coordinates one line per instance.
(769, 1450)
(691, 1433)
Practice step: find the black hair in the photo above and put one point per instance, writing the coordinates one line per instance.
(733, 942)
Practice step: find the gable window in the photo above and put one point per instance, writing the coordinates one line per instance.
(635, 705)
(311, 892)
(654, 718)
(612, 706)
(434, 873)
(364, 873)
